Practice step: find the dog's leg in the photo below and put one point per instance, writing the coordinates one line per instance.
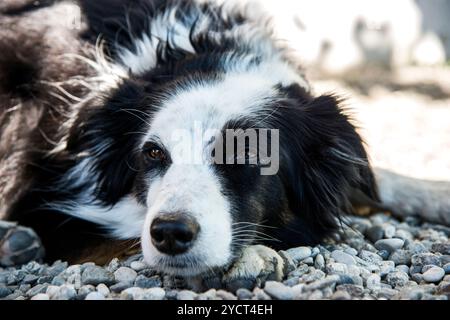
(18, 245)
(256, 265)
(404, 196)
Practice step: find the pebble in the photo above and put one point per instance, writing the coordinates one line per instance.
(278, 290)
(446, 268)
(95, 275)
(435, 274)
(319, 262)
(299, 253)
(186, 295)
(341, 295)
(154, 294)
(40, 296)
(94, 296)
(144, 282)
(125, 274)
(138, 265)
(375, 233)
(389, 231)
(397, 279)
(402, 268)
(401, 257)
(260, 294)
(422, 259)
(342, 257)
(103, 289)
(373, 281)
(389, 245)
(244, 294)
(386, 267)
(4, 291)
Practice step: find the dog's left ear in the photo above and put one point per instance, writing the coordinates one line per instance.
(322, 161)
(118, 21)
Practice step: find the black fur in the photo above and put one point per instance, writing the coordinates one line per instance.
(322, 158)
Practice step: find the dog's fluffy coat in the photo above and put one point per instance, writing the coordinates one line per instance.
(76, 114)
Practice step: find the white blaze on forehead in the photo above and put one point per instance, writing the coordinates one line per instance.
(212, 104)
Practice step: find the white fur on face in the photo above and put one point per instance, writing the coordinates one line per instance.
(194, 188)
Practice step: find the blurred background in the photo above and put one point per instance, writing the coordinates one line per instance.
(391, 61)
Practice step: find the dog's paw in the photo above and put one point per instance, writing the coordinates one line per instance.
(18, 245)
(256, 265)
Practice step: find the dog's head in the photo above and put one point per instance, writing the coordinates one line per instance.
(205, 147)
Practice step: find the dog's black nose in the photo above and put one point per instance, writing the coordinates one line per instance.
(173, 233)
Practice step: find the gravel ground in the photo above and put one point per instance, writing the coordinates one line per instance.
(374, 258)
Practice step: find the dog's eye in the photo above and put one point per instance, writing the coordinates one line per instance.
(154, 153)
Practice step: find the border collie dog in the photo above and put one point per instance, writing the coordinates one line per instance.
(88, 119)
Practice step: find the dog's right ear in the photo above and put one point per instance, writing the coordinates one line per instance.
(117, 22)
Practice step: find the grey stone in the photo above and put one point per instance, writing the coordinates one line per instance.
(132, 293)
(65, 292)
(426, 268)
(278, 290)
(186, 295)
(40, 288)
(24, 287)
(94, 296)
(351, 251)
(443, 248)
(337, 268)
(321, 284)
(144, 282)
(40, 296)
(403, 234)
(56, 268)
(289, 263)
(389, 230)
(30, 279)
(389, 245)
(402, 268)
(417, 277)
(384, 254)
(341, 295)
(370, 257)
(355, 291)
(319, 262)
(119, 287)
(434, 274)
(299, 253)
(446, 268)
(125, 274)
(95, 275)
(4, 291)
(375, 233)
(58, 281)
(260, 294)
(154, 294)
(422, 259)
(244, 294)
(401, 257)
(84, 291)
(103, 289)
(342, 257)
(397, 279)
(373, 281)
(225, 295)
(386, 267)
(138, 265)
